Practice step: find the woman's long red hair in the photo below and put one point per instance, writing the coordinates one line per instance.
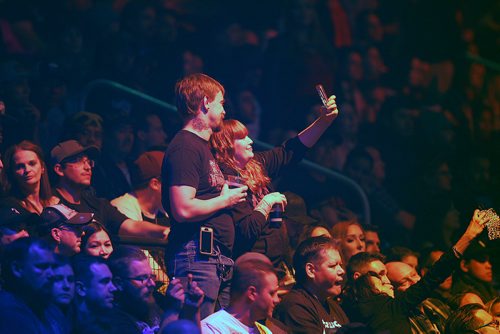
(222, 143)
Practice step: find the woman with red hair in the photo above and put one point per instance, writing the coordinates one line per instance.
(233, 151)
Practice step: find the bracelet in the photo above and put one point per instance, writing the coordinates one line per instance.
(458, 255)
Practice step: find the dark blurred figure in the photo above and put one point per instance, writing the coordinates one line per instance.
(475, 274)
(443, 291)
(27, 272)
(372, 239)
(403, 254)
(15, 225)
(24, 116)
(149, 133)
(86, 128)
(471, 318)
(112, 172)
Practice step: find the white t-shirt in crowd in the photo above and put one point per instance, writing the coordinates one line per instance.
(222, 322)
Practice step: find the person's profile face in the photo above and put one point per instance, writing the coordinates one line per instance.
(372, 242)
(481, 270)
(354, 242)
(37, 271)
(63, 288)
(70, 240)
(155, 136)
(243, 150)
(216, 112)
(267, 297)
(328, 275)
(140, 284)
(379, 280)
(100, 290)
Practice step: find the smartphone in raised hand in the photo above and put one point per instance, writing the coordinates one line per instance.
(322, 94)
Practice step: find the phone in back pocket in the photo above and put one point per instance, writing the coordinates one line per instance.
(206, 240)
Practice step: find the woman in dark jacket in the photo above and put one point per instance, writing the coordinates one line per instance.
(233, 150)
(369, 296)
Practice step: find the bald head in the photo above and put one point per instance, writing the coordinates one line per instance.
(401, 275)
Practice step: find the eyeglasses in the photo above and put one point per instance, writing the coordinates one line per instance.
(80, 160)
(143, 278)
(493, 323)
(75, 229)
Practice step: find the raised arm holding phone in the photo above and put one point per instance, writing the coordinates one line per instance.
(258, 227)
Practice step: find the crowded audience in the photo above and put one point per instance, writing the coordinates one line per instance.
(145, 202)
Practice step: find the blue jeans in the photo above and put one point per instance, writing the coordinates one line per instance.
(212, 273)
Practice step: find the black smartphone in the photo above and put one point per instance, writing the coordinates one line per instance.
(206, 240)
(322, 94)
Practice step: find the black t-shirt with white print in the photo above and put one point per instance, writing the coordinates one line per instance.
(189, 162)
(304, 313)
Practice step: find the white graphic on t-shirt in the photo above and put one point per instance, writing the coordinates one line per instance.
(215, 176)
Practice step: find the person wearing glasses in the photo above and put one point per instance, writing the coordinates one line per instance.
(472, 318)
(62, 227)
(369, 297)
(72, 165)
(25, 180)
(136, 301)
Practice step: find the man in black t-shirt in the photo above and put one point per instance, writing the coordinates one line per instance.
(73, 167)
(195, 194)
(309, 307)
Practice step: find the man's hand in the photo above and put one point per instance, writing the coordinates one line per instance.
(233, 196)
(176, 292)
(194, 294)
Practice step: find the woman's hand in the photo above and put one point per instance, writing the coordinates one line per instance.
(276, 198)
(266, 204)
(330, 112)
(476, 224)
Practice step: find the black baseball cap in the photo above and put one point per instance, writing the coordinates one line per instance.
(71, 148)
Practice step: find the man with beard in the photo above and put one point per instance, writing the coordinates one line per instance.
(27, 272)
(196, 196)
(319, 275)
(136, 303)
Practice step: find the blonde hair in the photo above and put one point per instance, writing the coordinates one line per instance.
(222, 143)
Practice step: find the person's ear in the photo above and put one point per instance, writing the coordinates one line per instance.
(56, 234)
(58, 170)
(155, 184)
(204, 105)
(463, 266)
(356, 275)
(252, 293)
(80, 289)
(310, 270)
